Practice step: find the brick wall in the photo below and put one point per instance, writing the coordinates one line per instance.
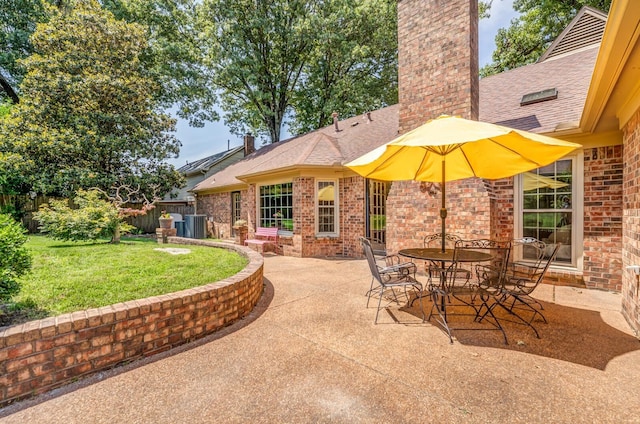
(631, 222)
(412, 214)
(437, 60)
(502, 208)
(603, 177)
(217, 207)
(351, 224)
(303, 242)
(41, 355)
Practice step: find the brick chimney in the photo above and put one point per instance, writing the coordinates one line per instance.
(249, 144)
(437, 74)
(437, 60)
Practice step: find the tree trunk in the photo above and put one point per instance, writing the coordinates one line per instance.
(116, 234)
(4, 84)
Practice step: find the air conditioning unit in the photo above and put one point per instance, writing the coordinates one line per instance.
(195, 226)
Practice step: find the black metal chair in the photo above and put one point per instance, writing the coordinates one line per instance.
(516, 292)
(476, 265)
(527, 260)
(389, 278)
(434, 269)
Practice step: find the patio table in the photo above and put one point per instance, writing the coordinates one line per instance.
(439, 293)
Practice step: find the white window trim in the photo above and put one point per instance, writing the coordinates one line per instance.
(577, 231)
(316, 207)
(281, 232)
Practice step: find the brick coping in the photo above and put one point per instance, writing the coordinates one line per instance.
(41, 355)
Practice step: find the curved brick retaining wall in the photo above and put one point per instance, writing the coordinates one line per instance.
(41, 355)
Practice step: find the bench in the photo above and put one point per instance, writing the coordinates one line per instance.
(264, 236)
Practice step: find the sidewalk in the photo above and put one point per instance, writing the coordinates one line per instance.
(310, 353)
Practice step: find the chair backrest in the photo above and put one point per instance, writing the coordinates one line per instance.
(435, 240)
(527, 285)
(176, 216)
(371, 260)
(498, 251)
(528, 250)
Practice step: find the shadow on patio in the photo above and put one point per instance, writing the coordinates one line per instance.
(574, 335)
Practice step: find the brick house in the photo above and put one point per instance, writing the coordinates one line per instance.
(301, 186)
(584, 89)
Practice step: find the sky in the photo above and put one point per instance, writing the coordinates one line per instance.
(215, 137)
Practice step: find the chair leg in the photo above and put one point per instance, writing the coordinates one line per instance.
(375, 321)
(369, 292)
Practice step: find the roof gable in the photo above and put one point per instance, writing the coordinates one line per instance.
(585, 30)
(204, 164)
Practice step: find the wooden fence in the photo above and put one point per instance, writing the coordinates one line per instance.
(146, 224)
(149, 222)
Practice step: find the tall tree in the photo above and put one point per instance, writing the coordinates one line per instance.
(88, 116)
(353, 67)
(529, 35)
(301, 59)
(173, 57)
(18, 20)
(257, 50)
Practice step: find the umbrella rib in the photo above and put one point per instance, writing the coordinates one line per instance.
(493, 140)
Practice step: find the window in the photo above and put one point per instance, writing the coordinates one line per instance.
(276, 206)
(326, 207)
(236, 211)
(548, 199)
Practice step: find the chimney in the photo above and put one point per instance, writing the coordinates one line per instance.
(249, 144)
(335, 121)
(437, 60)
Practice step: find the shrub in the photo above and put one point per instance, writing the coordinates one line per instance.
(15, 259)
(94, 218)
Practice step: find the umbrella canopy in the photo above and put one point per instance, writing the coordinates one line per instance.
(451, 148)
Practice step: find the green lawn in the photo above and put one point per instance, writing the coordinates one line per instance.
(69, 277)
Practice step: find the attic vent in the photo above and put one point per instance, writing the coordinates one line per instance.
(539, 96)
(585, 30)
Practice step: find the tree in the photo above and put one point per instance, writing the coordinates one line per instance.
(257, 50)
(353, 67)
(304, 58)
(95, 214)
(88, 115)
(529, 35)
(18, 20)
(172, 58)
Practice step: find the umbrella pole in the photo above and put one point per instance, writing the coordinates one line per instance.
(443, 209)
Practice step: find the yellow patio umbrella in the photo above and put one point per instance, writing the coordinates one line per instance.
(451, 148)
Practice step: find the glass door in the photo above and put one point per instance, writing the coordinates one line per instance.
(377, 192)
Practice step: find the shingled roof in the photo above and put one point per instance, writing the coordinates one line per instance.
(323, 148)
(203, 165)
(501, 95)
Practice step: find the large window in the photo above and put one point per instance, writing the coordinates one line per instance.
(276, 206)
(548, 210)
(326, 207)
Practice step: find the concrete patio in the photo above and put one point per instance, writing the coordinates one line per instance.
(310, 353)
